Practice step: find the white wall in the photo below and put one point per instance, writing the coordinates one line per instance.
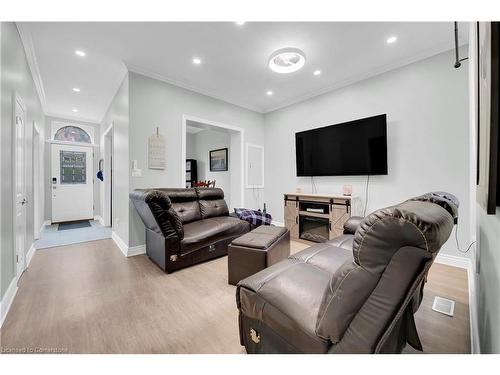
(47, 163)
(15, 77)
(155, 103)
(427, 112)
(201, 144)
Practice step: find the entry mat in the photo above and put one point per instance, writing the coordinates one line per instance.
(74, 225)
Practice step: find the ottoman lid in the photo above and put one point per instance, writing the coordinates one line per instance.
(261, 237)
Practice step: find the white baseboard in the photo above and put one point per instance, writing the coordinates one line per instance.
(136, 250)
(119, 242)
(29, 254)
(99, 219)
(127, 251)
(278, 223)
(7, 300)
(452, 260)
(473, 315)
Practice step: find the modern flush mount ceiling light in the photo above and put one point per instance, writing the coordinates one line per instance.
(287, 60)
(80, 53)
(317, 72)
(269, 93)
(75, 110)
(76, 89)
(197, 61)
(392, 39)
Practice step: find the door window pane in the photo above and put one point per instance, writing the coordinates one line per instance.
(72, 134)
(73, 167)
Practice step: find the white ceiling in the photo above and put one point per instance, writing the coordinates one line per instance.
(234, 58)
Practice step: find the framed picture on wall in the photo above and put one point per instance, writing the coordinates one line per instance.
(488, 96)
(218, 160)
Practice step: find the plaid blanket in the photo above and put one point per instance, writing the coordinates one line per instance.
(254, 217)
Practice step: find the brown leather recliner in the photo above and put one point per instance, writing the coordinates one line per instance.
(186, 226)
(354, 294)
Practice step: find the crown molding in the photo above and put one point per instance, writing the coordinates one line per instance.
(29, 51)
(363, 76)
(160, 77)
(61, 117)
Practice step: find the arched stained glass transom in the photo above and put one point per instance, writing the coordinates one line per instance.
(72, 134)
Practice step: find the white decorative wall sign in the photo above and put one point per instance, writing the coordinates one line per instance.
(156, 151)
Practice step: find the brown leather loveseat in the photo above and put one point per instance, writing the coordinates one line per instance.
(186, 226)
(354, 294)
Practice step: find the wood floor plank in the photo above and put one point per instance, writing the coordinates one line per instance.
(89, 298)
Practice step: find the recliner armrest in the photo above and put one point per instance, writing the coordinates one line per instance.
(352, 224)
(156, 212)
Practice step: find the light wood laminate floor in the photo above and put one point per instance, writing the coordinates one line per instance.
(89, 298)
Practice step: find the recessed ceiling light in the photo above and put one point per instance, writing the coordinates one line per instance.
(76, 89)
(197, 61)
(80, 53)
(269, 93)
(287, 60)
(240, 23)
(392, 39)
(317, 72)
(75, 110)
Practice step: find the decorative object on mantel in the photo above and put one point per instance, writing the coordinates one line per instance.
(156, 151)
(218, 160)
(347, 190)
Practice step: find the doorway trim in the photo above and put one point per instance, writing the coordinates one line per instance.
(107, 156)
(17, 99)
(38, 182)
(185, 119)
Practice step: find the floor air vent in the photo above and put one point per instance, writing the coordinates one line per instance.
(443, 305)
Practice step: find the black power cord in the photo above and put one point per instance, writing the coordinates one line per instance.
(366, 195)
(458, 244)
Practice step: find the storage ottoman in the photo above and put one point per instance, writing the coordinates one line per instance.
(256, 250)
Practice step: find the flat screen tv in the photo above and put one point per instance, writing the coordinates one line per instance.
(351, 148)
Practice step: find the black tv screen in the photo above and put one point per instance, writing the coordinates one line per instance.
(348, 149)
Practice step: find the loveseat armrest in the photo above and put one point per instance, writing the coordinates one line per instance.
(352, 224)
(155, 210)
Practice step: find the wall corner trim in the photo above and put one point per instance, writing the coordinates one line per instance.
(7, 300)
(29, 51)
(29, 254)
(127, 251)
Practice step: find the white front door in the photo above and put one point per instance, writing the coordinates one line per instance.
(72, 183)
(20, 186)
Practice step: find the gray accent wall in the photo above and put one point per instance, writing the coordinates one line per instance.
(15, 77)
(488, 280)
(154, 103)
(427, 112)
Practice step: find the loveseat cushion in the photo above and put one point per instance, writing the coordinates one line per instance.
(204, 232)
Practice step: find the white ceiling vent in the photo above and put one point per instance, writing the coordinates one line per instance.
(443, 306)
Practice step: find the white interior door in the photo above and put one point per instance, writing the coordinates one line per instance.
(20, 186)
(72, 184)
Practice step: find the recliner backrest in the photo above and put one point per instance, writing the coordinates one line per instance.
(185, 203)
(392, 247)
(212, 203)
